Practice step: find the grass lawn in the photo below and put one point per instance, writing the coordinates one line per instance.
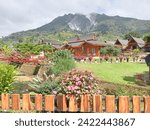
(122, 73)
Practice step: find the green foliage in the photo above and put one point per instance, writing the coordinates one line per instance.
(127, 91)
(7, 77)
(63, 61)
(7, 50)
(30, 48)
(40, 86)
(1, 43)
(111, 50)
(136, 52)
(116, 51)
(134, 34)
(147, 37)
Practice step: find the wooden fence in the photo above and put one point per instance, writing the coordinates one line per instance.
(59, 103)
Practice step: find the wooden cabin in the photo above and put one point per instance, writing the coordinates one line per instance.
(85, 48)
(55, 44)
(135, 43)
(121, 43)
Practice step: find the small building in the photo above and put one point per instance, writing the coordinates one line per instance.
(56, 44)
(85, 48)
(135, 43)
(121, 43)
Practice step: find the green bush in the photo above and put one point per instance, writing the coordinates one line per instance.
(110, 50)
(7, 77)
(44, 87)
(147, 37)
(62, 62)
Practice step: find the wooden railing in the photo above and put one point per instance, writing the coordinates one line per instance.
(59, 103)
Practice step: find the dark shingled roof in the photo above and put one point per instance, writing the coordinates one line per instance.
(55, 44)
(123, 42)
(96, 43)
(76, 44)
(139, 41)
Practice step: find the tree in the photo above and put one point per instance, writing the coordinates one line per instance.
(62, 62)
(30, 48)
(147, 37)
(110, 50)
(116, 51)
(134, 34)
(103, 51)
(7, 77)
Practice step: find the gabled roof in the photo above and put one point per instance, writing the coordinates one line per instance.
(53, 43)
(88, 37)
(76, 44)
(96, 43)
(80, 43)
(110, 42)
(122, 42)
(139, 41)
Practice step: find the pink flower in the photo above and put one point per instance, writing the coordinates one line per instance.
(78, 83)
(78, 92)
(90, 86)
(69, 87)
(77, 79)
(75, 87)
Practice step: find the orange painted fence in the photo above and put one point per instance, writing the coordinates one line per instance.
(59, 103)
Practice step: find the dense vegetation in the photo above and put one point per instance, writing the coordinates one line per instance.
(147, 37)
(110, 50)
(7, 77)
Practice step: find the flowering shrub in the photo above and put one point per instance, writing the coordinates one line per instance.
(78, 83)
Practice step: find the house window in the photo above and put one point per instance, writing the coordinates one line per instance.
(93, 51)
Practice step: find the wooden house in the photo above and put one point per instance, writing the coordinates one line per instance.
(121, 43)
(85, 48)
(135, 43)
(55, 44)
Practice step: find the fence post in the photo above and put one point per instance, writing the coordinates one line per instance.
(49, 103)
(85, 103)
(97, 103)
(38, 102)
(136, 104)
(124, 106)
(15, 102)
(110, 104)
(61, 103)
(5, 102)
(73, 104)
(26, 105)
(147, 104)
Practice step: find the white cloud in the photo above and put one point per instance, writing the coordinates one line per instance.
(18, 15)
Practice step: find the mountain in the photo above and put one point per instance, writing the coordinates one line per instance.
(93, 22)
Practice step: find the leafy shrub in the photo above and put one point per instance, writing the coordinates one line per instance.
(63, 62)
(38, 85)
(78, 83)
(147, 37)
(110, 50)
(7, 77)
(125, 91)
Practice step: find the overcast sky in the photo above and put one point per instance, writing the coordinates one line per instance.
(19, 15)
